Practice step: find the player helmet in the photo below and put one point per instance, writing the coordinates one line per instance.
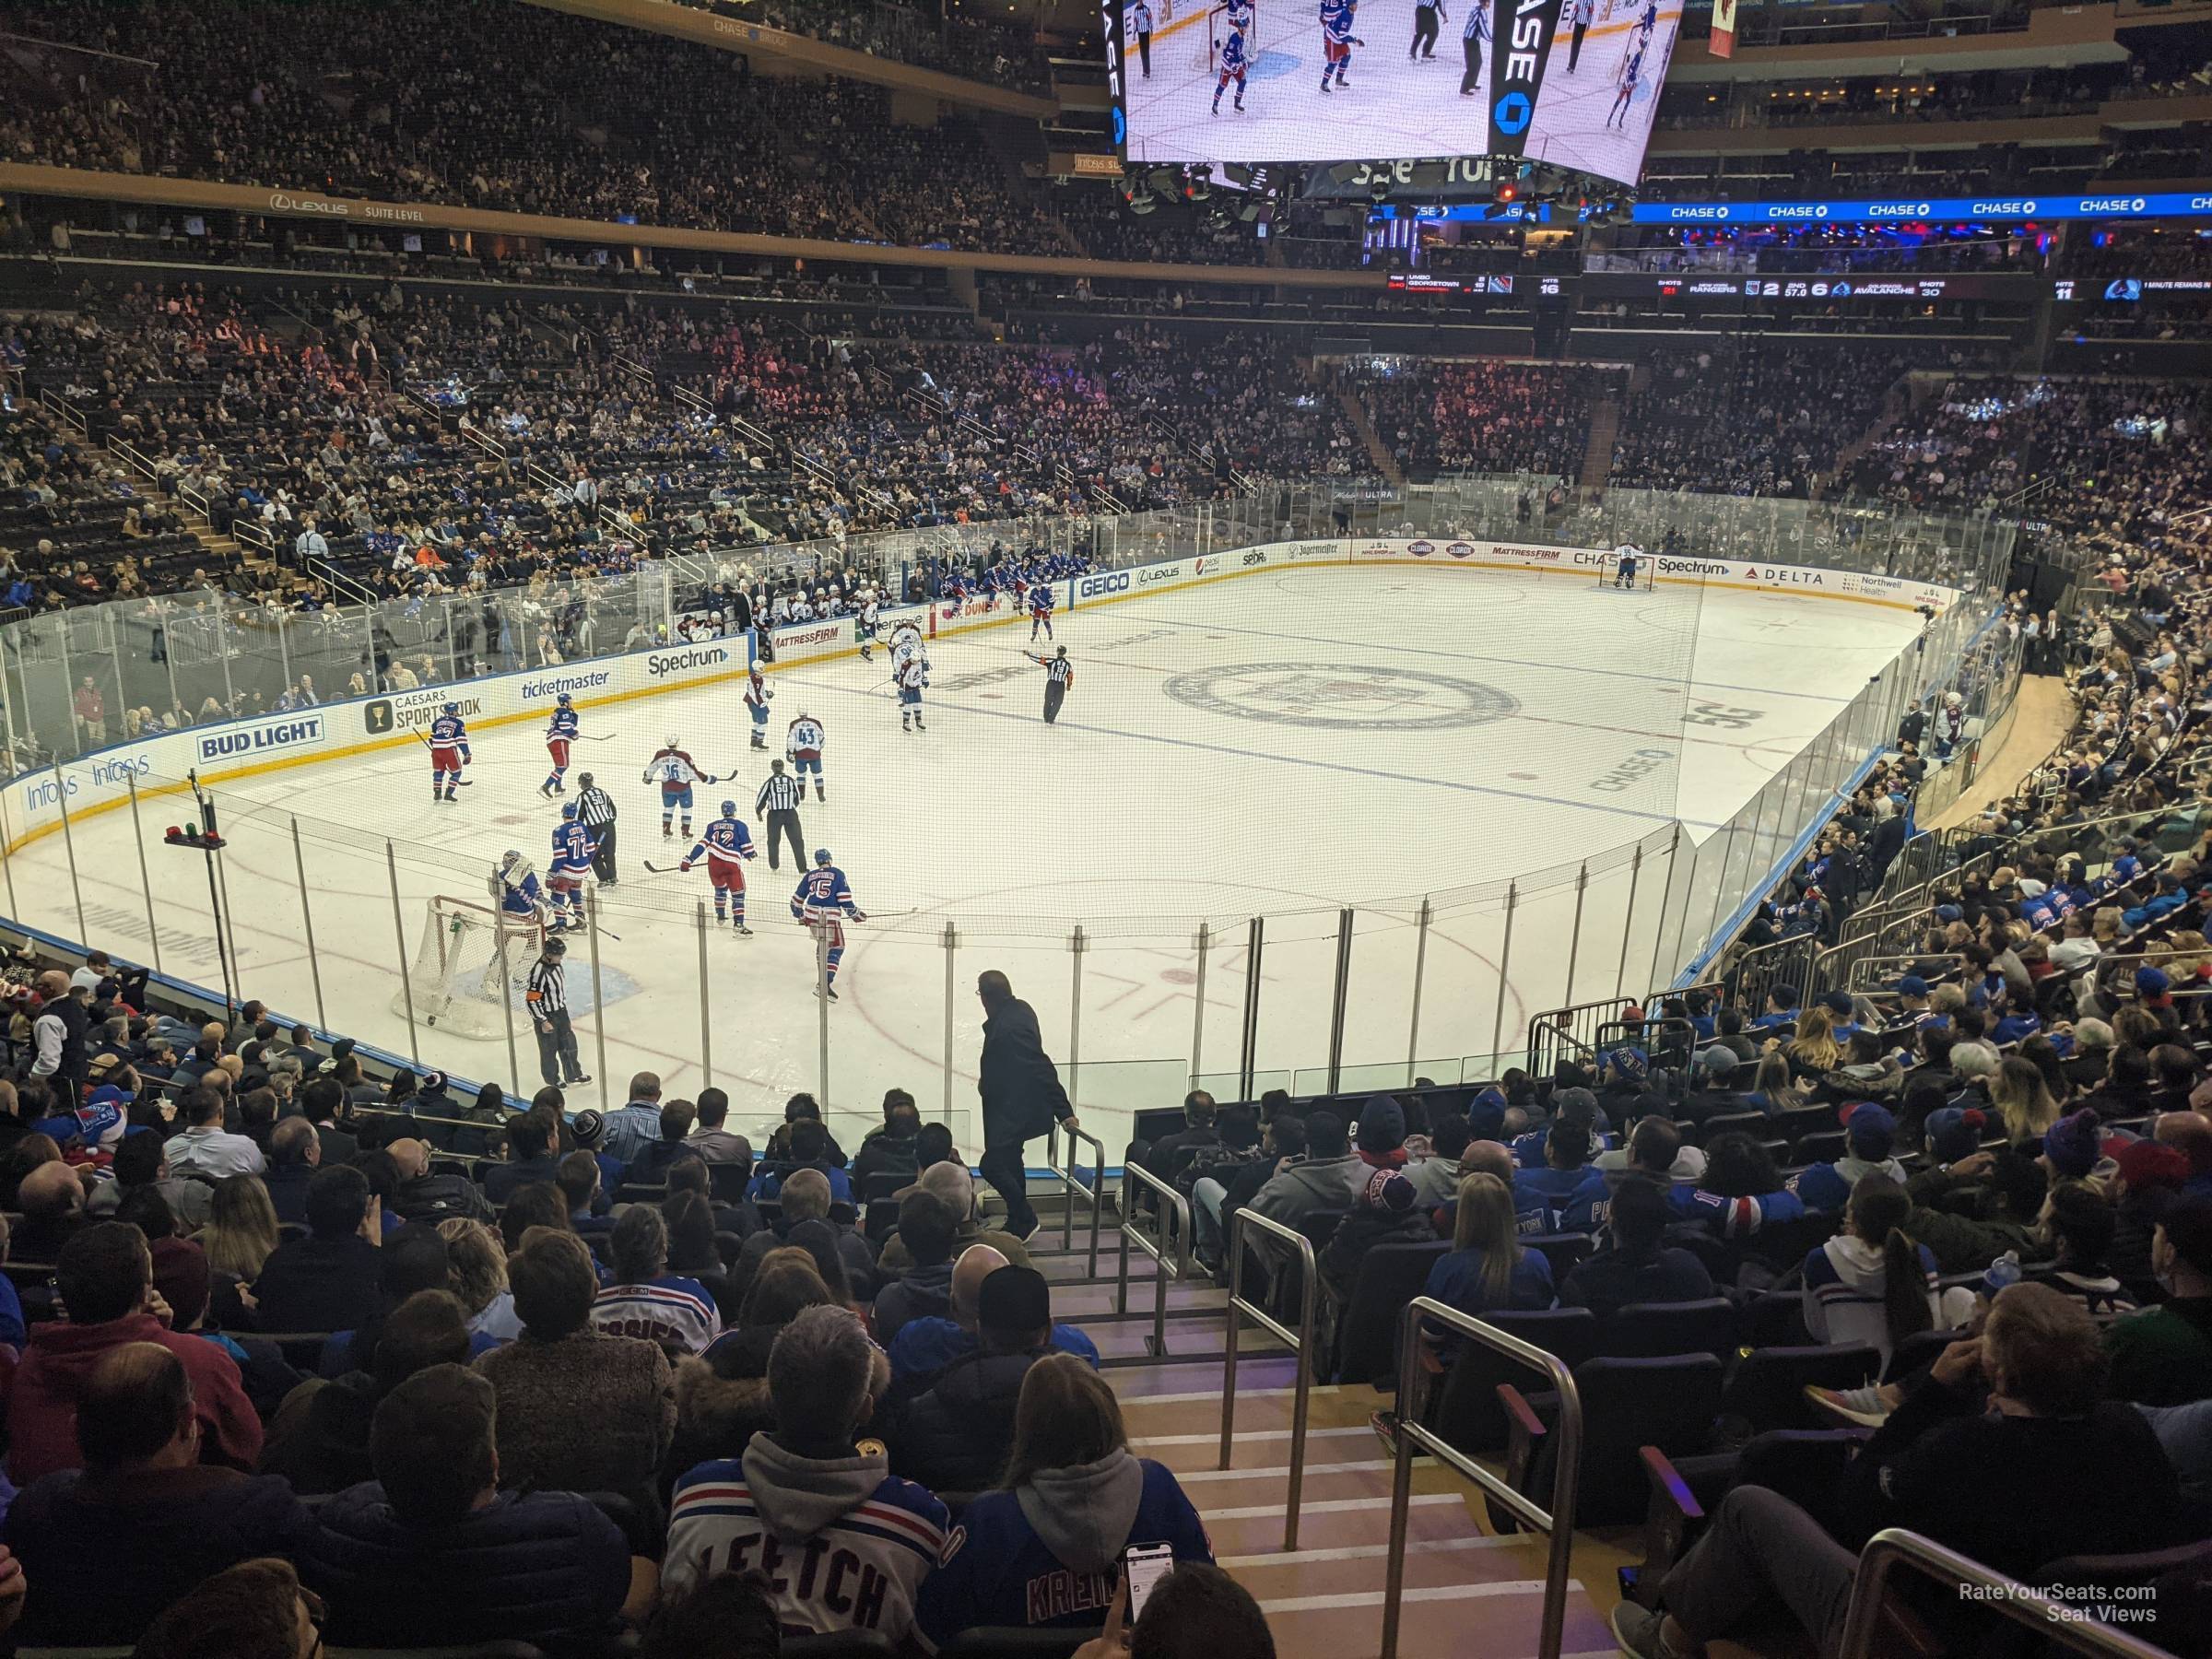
(562, 700)
(821, 855)
(450, 707)
(568, 809)
(673, 741)
(510, 857)
(729, 809)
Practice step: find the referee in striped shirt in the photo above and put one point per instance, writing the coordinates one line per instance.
(1059, 674)
(548, 998)
(779, 803)
(596, 812)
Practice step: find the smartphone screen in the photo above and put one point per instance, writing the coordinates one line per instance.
(1147, 1564)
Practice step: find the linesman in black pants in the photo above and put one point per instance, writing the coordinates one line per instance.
(1059, 674)
(548, 998)
(779, 803)
(596, 812)
(1427, 15)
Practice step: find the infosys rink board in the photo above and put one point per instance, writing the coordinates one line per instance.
(1574, 83)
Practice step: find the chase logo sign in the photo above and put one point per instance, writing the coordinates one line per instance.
(255, 739)
(1521, 33)
(1512, 113)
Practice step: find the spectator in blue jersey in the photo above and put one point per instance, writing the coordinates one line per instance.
(1780, 1009)
(808, 1148)
(1654, 1154)
(1741, 1193)
(1487, 1269)
(808, 1492)
(1566, 1167)
(1577, 1106)
(645, 1298)
(1045, 1551)
(1869, 1132)
(1637, 1265)
(927, 1346)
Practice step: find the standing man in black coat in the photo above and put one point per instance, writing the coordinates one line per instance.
(1022, 1096)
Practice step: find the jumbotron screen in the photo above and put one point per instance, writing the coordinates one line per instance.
(1574, 83)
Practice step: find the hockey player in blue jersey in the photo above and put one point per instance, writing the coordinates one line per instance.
(821, 904)
(1337, 41)
(1040, 592)
(520, 894)
(559, 733)
(572, 863)
(1631, 72)
(725, 845)
(1233, 64)
(449, 752)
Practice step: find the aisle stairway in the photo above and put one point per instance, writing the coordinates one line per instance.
(1469, 1594)
(1355, 412)
(1597, 452)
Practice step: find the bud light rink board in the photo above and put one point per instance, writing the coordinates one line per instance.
(1574, 83)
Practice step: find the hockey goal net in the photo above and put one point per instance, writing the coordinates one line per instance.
(472, 965)
(1609, 573)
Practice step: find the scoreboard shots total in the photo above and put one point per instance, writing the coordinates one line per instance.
(1573, 83)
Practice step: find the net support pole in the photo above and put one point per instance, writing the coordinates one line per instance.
(307, 919)
(1505, 962)
(146, 884)
(1628, 922)
(1203, 944)
(821, 1013)
(61, 799)
(1340, 996)
(399, 937)
(1079, 945)
(1574, 939)
(706, 1023)
(591, 916)
(1666, 888)
(227, 923)
(1255, 942)
(1421, 968)
(515, 1063)
(950, 939)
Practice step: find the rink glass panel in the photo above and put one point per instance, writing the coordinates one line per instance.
(1664, 896)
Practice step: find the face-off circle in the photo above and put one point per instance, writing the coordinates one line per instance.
(1341, 696)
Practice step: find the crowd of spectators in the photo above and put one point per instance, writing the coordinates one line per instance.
(1483, 417)
(511, 107)
(2123, 458)
(553, 1340)
(965, 44)
(1749, 417)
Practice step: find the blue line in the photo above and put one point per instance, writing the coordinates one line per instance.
(1470, 656)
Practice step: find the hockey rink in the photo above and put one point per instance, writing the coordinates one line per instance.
(1393, 104)
(1280, 745)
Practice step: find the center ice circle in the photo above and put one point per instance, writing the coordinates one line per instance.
(1341, 696)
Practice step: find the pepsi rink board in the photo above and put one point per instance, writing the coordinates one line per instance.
(2150, 204)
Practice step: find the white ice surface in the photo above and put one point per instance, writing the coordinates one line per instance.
(1264, 745)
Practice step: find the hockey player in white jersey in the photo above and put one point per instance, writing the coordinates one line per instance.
(803, 748)
(869, 620)
(906, 641)
(725, 846)
(912, 675)
(675, 771)
(757, 693)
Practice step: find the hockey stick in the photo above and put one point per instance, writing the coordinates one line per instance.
(596, 737)
(662, 869)
(463, 783)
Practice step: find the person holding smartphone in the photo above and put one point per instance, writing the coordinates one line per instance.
(1189, 1612)
(1077, 1514)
